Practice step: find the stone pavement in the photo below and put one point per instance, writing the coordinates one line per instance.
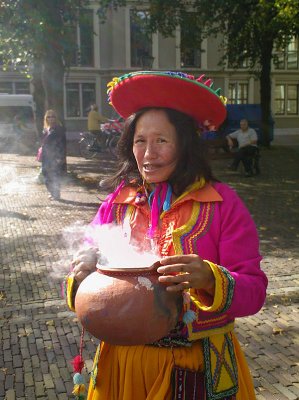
(39, 336)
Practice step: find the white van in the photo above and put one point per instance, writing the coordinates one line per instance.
(17, 125)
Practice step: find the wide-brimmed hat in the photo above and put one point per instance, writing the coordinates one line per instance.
(177, 90)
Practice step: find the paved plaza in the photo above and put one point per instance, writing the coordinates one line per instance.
(39, 336)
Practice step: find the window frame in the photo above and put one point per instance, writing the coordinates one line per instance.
(146, 60)
(76, 59)
(285, 99)
(13, 87)
(196, 52)
(238, 99)
(282, 56)
(80, 98)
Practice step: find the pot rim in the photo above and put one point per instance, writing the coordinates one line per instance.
(152, 270)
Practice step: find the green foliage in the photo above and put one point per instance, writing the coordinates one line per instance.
(247, 26)
(106, 5)
(250, 29)
(31, 29)
(37, 38)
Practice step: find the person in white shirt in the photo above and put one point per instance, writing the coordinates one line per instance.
(247, 147)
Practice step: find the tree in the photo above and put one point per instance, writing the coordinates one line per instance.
(36, 37)
(250, 29)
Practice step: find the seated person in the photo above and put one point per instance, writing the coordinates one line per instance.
(247, 147)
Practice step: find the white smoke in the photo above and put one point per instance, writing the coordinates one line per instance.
(113, 243)
(14, 182)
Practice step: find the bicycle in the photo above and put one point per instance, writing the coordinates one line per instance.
(89, 146)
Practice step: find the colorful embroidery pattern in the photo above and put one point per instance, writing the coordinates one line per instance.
(187, 384)
(228, 285)
(119, 212)
(198, 225)
(94, 371)
(219, 358)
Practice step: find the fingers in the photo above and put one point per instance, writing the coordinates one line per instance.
(184, 272)
(176, 283)
(89, 255)
(84, 263)
(83, 266)
(180, 259)
(80, 276)
(82, 270)
(174, 269)
(180, 264)
(179, 287)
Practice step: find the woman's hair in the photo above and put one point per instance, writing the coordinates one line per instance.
(192, 158)
(53, 112)
(94, 107)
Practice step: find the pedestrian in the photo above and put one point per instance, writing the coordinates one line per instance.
(94, 120)
(165, 191)
(53, 156)
(247, 148)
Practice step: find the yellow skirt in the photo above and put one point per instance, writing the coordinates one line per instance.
(144, 372)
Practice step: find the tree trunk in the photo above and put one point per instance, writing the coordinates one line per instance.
(52, 59)
(265, 92)
(53, 82)
(38, 96)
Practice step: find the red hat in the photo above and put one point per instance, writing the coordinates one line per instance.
(177, 90)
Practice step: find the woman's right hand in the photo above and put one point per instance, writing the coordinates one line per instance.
(84, 263)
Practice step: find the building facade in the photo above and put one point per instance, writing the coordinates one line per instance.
(122, 45)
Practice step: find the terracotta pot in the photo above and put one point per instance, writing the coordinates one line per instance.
(127, 306)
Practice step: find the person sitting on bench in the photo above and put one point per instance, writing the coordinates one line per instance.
(247, 148)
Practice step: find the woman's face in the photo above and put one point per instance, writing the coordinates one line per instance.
(155, 146)
(51, 120)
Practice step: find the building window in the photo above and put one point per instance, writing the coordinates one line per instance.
(238, 93)
(15, 87)
(286, 99)
(141, 40)
(287, 58)
(22, 88)
(82, 50)
(6, 87)
(190, 45)
(240, 65)
(79, 97)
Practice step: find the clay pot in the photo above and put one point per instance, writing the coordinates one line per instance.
(127, 306)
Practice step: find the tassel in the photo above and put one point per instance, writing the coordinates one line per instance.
(154, 211)
(79, 390)
(159, 199)
(200, 78)
(189, 317)
(167, 202)
(78, 364)
(78, 380)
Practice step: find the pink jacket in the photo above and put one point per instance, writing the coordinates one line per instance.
(212, 222)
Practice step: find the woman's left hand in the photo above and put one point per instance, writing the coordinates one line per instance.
(186, 271)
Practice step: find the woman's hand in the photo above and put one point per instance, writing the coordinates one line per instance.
(84, 263)
(186, 271)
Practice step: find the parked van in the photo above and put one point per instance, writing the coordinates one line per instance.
(17, 126)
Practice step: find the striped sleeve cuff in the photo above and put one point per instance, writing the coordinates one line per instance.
(70, 291)
(224, 290)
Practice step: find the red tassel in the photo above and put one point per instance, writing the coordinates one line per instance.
(78, 364)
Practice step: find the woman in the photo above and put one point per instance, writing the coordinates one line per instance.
(53, 153)
(203, 232)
